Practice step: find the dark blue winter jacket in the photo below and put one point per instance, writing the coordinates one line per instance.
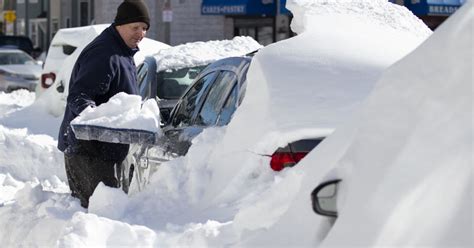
(104, 68)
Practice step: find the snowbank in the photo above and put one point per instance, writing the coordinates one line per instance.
(28, 149)
(405, 159)
(26, 156)
(419, 154)
(14, 101)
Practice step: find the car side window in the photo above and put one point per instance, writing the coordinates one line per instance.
(191, 101)
(143, 85)
(229, 107)
(215, 99)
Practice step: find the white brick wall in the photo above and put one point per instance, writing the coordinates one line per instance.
(189, 25)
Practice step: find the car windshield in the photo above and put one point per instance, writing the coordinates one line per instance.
(12, 58)
(173, 82)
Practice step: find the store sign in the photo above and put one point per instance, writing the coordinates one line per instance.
(441, 9)
(434, 7)
(224, 9)
(240, 7)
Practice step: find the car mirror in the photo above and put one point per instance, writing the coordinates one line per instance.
(324, 198)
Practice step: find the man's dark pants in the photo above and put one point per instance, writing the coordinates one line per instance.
(84, 173)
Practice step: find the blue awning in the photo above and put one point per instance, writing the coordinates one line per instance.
(434, 7)
(242, 7)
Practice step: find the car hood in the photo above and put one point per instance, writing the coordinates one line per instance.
(22, 69)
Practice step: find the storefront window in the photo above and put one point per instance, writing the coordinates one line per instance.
(261, 29)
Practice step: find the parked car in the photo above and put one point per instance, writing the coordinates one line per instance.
(166, 86)
(211, 100)
(165, 76)
(18, 70)
(407, 170)
(18, 42)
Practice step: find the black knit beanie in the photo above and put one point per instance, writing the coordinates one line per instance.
(132, 11)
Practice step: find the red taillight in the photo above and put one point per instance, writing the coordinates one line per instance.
(281, 160)
(47, 79)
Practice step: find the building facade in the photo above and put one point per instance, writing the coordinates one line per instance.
(41, 19)
(179, 21)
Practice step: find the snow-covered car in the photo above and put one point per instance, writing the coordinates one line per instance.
(64, 50)
(166, 75)
(18, 70)
(409, 185)
(307, 86)
(211, 100)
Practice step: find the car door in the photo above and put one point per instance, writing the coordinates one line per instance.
(211, 108)
(184, 113)
(146, 77)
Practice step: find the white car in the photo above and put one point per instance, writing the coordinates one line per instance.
(63, 52)
(403, 175)
(18, 70)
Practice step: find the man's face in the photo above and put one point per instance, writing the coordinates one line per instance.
(132, 33)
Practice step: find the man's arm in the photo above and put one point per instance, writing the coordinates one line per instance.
(91, 79)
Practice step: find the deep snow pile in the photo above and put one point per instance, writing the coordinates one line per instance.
(202, 53)
(14, 101)
(405, 159)
(28, 139)
(223, 192)
(426, 167)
